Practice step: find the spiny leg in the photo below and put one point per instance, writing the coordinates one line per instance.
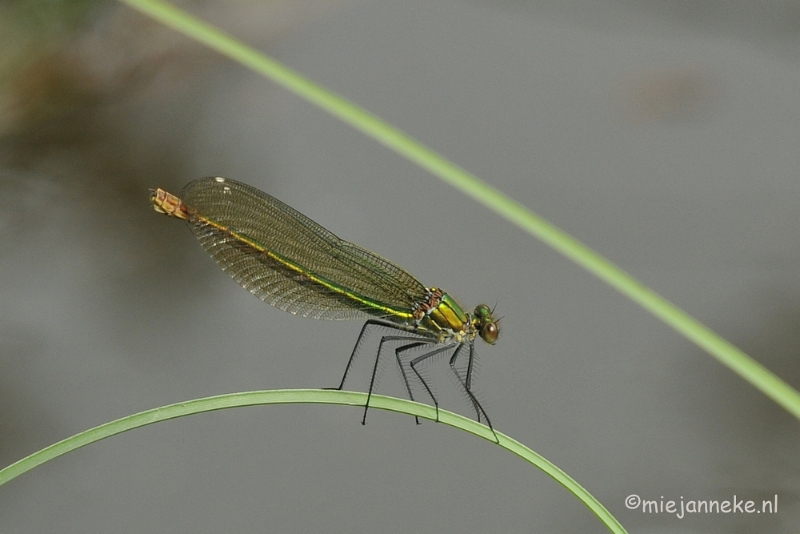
(470, 366)
(398, 351)
(416, 342)
(384, 339)
(422, 358)
(361, 336)
(468, 382)
(372, 382)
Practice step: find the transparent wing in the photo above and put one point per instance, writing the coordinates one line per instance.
(288, 260)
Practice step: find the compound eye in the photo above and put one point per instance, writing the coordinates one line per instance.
(489, 333)
(482, 311)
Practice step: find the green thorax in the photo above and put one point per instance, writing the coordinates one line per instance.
(443, 317)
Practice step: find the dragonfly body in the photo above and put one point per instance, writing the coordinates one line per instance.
(293, 263)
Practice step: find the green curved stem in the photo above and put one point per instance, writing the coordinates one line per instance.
(306, 396)
(518, 214)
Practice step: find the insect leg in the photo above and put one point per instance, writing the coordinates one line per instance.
(422, 358)
(415, 342)
(361, 337)
(466, 384)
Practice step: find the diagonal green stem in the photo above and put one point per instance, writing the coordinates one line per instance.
(299, 396)
(518, 214)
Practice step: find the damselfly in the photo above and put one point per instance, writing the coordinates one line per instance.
(293, 263)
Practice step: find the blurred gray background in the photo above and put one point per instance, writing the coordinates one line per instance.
(662, 134)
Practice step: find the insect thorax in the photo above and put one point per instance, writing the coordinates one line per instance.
(441, 316)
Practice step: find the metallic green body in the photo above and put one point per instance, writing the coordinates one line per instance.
(293, 263)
